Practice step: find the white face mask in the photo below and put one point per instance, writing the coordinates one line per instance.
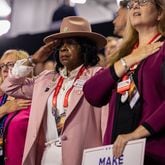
(21, 70)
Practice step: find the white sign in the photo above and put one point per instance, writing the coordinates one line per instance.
(133, 155)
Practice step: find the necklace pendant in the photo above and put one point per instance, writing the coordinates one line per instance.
(124, 97)
(65, 111)
(63, 88)
(54, 111)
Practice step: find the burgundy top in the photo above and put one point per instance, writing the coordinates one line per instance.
(151, 86)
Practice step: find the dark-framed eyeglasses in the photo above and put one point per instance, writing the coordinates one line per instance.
(8, 65)
(139, 2)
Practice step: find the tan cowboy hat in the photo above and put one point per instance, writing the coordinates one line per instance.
(75, 26)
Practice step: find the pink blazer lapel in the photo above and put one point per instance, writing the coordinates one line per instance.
(49, 87)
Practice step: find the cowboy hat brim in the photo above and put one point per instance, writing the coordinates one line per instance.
(99, 39)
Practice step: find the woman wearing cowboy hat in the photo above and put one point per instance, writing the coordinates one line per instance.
(62, 123)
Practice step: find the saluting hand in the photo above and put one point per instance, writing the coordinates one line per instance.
(44, 52)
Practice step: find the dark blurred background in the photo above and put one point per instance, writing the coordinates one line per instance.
(32, 20)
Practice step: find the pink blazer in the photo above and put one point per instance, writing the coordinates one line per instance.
(82, 128)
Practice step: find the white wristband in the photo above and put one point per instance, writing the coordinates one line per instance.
(123, 62)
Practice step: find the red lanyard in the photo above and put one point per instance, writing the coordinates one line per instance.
(59, 85)
(57, 90)
(151, 41)
(154, 38)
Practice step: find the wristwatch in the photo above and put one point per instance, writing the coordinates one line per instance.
(30, 60)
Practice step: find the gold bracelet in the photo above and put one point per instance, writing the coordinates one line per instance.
(124, 63)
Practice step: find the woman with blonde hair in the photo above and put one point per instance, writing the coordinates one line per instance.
(134, 84)
(14, 114)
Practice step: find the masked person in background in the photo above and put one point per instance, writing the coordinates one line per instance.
(134, 84)
(62, 123)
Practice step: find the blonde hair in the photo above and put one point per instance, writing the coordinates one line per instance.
(19, 54)
(111, 38)
(131, 35)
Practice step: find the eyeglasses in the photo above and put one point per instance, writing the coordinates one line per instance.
(139, 2)
(8, 65)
